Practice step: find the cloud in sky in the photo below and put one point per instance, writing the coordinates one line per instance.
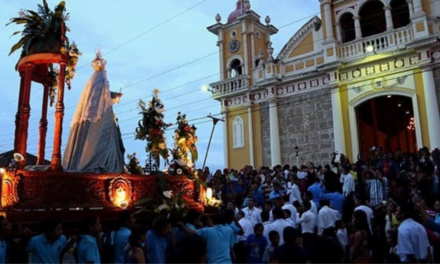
(150, 61)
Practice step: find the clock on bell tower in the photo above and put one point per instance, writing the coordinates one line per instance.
(243, 43)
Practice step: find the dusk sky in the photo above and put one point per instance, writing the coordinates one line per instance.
(147, 44)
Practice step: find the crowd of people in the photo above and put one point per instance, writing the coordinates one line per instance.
(384, 209)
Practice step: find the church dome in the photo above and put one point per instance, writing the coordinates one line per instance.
(240, 10)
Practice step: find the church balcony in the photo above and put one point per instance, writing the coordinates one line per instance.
(230, 86)
(387, 41)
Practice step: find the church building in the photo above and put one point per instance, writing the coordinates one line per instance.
(364, 73)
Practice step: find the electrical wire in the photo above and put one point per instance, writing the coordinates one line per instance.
(287, 102)
(176, 107)
(203, 57)
(138, 36)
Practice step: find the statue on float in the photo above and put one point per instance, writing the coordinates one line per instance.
(95, 143)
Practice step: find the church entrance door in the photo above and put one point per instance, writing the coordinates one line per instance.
(387, 122)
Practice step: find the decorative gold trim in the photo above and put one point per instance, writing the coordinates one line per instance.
(9, 189)
(120, 191)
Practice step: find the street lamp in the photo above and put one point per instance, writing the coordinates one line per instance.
(207, 88)
(214, 121)
(370, 48)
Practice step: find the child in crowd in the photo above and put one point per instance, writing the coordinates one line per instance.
(274, 239)
(256, 244)
(342, 236)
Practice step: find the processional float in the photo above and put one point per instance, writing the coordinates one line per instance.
(48, 58)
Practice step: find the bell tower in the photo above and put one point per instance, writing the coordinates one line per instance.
(244, 45)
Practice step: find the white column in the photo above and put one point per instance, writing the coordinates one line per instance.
(410, 7)
(252, 47)
(338, 126)
(220, 44)
(245, 48)
(328, 19)
(338, 32)
(435, 8)
(225, 137)
(431, 108)
(357, 27)
(275, 149)
(389, 17)
(418, 7)
(251, 137)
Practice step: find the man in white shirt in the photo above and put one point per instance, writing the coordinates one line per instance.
(362, 205)
(247, 226)
(347, 181)
(412, 240)
(252, 213)
(326, 216)
(308, 224)
(278, 225)
(293, 212)
(295, 194)
(309, 197)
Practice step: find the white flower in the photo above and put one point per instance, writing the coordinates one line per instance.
(179, 171)
(181, 162)
(168, 194)
(163, 207)
(22, 13)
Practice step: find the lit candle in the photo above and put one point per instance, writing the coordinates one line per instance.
(121, 195)
(209, 193)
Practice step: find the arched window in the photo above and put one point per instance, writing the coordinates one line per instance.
(372, 18)
(400, 13)
(347, 27)
(238, 132)
(236, 68)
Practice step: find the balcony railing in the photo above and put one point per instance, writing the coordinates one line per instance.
(236, 84)
(382, 42)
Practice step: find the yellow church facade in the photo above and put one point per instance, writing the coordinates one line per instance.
(363, 74)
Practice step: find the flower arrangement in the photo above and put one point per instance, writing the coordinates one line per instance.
(171, 204)
(53, 74)
(185, 140)
(133, 166)
(45, 24)
(152, 127)
(166, 204)
(74, 54)
(45, 32)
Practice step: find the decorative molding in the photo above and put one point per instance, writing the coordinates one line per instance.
(9, 189)
(343, 12)
(379, 68)
(293, 41)
(284, 90)
(63, 191)
(238, 132)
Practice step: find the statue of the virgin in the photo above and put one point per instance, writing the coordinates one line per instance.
(95, 143)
